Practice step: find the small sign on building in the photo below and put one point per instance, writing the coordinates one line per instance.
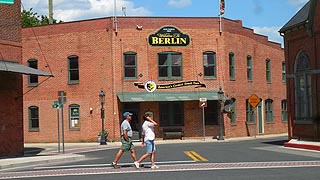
(202, 102)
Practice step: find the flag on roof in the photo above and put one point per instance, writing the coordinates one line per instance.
(222, 5)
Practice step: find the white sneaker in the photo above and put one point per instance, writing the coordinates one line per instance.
(154, 167)
(137, 164)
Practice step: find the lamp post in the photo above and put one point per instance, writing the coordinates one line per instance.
(220, 98)
(102, 101)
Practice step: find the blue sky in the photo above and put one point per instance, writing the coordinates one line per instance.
(266, 17)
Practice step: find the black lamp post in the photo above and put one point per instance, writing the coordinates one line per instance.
(102, 101)
(220, 98)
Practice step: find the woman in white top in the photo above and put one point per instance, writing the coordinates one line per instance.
(148, 137)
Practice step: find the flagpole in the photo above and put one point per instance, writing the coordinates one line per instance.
(220, 25)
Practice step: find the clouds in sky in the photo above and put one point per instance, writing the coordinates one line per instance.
(271, 32)
(72, 10)
(179, 3)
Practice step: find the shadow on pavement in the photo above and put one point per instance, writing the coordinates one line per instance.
(32, 151)
(276, 143)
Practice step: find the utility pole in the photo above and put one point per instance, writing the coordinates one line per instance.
(50, 12)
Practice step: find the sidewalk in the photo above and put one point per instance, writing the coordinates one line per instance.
(43, 153)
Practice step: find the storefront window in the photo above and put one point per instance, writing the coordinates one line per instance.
(171, 114)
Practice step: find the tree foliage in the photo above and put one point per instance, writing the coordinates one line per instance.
(30, 19)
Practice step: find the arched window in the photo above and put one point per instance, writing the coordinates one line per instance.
(268, 71)
(269, 110)
(73, 69)
(249, 68)
(232, 71)
(33, 113)
(303, 94)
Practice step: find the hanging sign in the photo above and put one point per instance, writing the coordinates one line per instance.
(151, 86)
(169, 36)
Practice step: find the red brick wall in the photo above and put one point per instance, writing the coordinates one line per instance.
(100, 53)
(297, 41)
(11, 106)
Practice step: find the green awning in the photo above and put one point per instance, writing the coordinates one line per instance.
(166, 96)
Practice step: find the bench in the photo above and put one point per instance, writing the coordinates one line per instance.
(172, 133)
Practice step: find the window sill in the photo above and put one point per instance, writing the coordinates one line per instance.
(32, 85)
(34, 130)
(73, 83)
(74, 129)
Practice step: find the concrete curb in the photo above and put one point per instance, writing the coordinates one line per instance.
(36, 160)
(293, 143)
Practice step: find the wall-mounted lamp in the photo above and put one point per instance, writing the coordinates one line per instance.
(91, 109)
(139, 28)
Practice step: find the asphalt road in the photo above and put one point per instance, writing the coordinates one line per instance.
(253, 159)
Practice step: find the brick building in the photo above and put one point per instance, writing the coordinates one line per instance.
(123, 55)
(11, 127)
(302, 53)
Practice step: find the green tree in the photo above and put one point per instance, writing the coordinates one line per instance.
(30, 19)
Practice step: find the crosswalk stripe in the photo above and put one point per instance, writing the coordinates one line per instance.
(195, 156)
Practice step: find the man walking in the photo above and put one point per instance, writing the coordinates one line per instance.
(148, 137)
(127, 145)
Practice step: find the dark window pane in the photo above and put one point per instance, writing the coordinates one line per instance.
(73, 64)
(176, 59)
(130, 72)
(74, 75)
(130, 60)
(163, 72)
(209, 71)
(176, 71)
(163, 59)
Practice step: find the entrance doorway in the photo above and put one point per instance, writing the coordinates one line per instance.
(135, 123)
(260, 119)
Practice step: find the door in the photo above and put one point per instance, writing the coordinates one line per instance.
(260, 119)
(135, 122)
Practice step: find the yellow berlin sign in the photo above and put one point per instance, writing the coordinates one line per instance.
(254, 100)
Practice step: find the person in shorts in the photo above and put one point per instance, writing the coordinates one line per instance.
(126, 142)
(148, 137)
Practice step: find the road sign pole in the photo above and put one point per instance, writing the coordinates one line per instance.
(58, 130)
(62, 126)
(203, 125)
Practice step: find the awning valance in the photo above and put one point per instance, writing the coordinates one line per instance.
(166, 96)
(15, 67)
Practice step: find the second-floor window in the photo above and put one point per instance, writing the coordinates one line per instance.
(170, 65)
(268, 71)
(130, 65)
(73, 69)
(232, 71)
(284, 74)
(249, 68)
(209, 64)
(33, 79)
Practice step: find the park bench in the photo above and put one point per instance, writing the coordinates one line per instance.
(173, 133)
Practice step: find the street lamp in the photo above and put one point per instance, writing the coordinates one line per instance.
(102, 101)
(220, 98)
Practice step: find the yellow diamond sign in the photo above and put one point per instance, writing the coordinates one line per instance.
(254, 100)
